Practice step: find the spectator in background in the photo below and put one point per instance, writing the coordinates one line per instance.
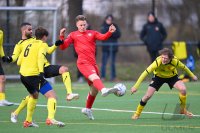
(109, 51)
(153, 34)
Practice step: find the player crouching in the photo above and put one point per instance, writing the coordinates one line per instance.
(164, 69)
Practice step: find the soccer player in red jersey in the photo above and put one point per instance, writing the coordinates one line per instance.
(85, 47)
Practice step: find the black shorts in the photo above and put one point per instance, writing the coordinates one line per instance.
(51, 71)
(157, 82)
(32, 83)
(1, 70)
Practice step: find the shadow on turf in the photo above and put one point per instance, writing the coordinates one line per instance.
(176, 111)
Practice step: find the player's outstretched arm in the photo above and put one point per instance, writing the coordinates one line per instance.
(51, 49)
(59, 42)
(64, 43)
(7, 59)
(62, 32)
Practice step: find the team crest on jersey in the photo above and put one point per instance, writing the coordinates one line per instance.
(93, 71)
(89, 34)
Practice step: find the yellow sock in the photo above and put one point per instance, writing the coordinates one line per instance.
(51, 107)
(2, 96)
(139, 109)
(182, 99)
(30, 108)
(22, 105)
(67, 81)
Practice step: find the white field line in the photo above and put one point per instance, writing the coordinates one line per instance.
(114, 110)
(124, 124)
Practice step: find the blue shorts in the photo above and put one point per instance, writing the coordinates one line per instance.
(45, 88)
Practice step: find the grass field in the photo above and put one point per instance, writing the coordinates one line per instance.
(112, 114)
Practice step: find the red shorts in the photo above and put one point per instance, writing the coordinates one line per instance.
(87, 70)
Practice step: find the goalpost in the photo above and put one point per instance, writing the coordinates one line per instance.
(54, 34)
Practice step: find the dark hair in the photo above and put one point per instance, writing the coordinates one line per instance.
(109, 16)
(151, 13)
(40, 33)
(24, 24)
(80, 17)
(167, 51)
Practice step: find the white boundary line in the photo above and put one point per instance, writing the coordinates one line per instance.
(115, 110)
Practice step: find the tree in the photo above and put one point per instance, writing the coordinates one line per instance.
(75, 8)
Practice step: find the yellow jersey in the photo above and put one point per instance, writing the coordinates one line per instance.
(50, 50)
(163, 70)
(32, 58)
(1, 44)
(19, 46)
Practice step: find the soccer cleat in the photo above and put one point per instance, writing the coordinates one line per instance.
(187, 113)
(55, 122)
(72, 96)
(29, 124)
(88, 113)
(135, 117)
(107, 91)
(5, 103)
(13, 117)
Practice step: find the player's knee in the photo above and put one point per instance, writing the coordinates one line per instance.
(146, 98)
(182, 89)
(63, 69)
(2, 79)
(93, 92)
(35, 95)
(51, 94)
(93, 77)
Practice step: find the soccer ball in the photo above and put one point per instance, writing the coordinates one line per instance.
(121, 89)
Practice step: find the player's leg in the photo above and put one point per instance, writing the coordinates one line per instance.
(149, 93)
(50, 94)
(3, 101)
(182, 97)
(55, 70)
(31, 83)
(21, 106)
(155, 85)
(98, 84)
(31, 105)
(67, 82)
(89, 102)
(92, 74)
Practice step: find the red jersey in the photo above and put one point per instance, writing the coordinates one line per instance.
(84, 44)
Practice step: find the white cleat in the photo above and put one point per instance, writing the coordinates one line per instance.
(55, 122)
(72, 96)
(88, 113)
(13, 117)
(107, 91)
(5, 103)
